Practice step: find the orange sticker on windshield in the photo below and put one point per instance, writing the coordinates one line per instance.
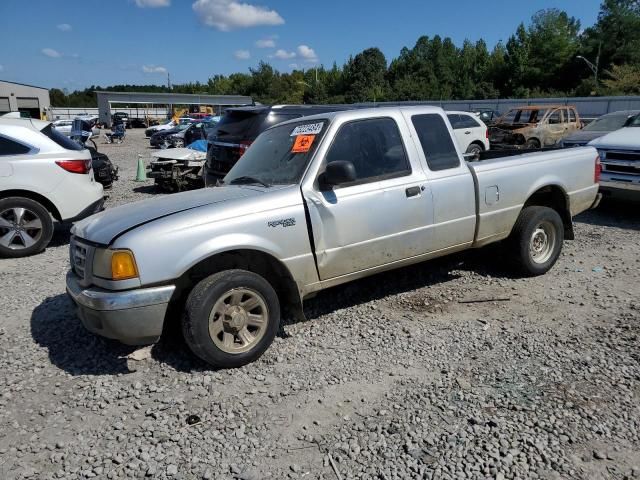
(303, 143)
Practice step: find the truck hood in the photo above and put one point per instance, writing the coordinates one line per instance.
(625, 138)
(105, 226)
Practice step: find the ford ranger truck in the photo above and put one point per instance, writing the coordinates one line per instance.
(313, 203)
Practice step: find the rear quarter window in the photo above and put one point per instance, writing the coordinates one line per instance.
(436, 142)
(10, 147)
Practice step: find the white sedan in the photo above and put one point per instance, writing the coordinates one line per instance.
(43, 174)
(471, 132)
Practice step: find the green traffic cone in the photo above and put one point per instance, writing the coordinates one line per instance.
(141, 175)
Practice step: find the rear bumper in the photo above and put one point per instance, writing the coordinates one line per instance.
(95, 207)
(622, 186)
(134, 317)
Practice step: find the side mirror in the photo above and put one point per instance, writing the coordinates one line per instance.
(337, 173)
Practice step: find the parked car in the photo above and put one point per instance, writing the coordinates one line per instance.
(487, 115)
(104, 171)
(198, 130)
(313, 203)
(240, 126)
(178, 169)
(167, 125)
(535, 126)
(620, 156)
(120, 117)
(472, 135)
(599, 127)
(161, 139)
(43, 174)
(63, 126)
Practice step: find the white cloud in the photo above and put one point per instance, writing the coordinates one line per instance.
(153, 69)
(283, 55)
(153, 3)
(50, 52)
(294, 66)
(308, 54)
(242, 54)
(228, 15)
(266, 43)
(64, 27)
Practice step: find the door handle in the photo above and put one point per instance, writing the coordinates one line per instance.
(467, 132)
(412, 191)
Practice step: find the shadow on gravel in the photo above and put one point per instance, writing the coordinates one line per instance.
(613, 213)
(486, 262)
(61, 234)
(54, 326)
(149, 189)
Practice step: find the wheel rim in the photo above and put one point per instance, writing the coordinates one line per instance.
(20, 228)
(238, 320)
(543, 242)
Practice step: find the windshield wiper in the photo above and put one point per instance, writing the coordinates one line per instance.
(247, 180)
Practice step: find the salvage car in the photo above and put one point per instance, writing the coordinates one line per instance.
(620, 156)
(313, 203)
(177, 169)
(43, 175)
(535, 126)
(199, 130)
(599, 127)
(161, 139)
(167, 125)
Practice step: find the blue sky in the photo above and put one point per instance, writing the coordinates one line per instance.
(76, 43)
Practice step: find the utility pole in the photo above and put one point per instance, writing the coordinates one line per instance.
(594, 68)
(168, 81)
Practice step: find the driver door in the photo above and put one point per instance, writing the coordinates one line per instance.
(381, 217)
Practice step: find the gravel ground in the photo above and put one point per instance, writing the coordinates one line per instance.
(396, 376)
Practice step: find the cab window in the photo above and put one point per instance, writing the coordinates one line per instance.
(436, 141)
(374, 147)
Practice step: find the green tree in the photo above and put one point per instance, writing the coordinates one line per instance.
(365, 76)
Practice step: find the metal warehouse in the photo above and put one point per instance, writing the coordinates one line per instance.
(29, 100)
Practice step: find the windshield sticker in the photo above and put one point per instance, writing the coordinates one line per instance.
(303, 143)
(308, 129)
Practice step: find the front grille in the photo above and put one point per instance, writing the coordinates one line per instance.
(630, 169)
(625, 156)
(78, 258)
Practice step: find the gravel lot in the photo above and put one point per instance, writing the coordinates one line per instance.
(396, 376)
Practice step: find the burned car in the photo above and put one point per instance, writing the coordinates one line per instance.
(534, 126)
(179, 169)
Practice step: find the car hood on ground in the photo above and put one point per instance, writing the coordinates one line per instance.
(105, 226)
(582, 136)
(628, 137)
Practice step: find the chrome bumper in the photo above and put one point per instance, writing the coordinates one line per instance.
(615, 185)
(134, 317)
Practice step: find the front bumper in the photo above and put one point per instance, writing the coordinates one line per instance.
(134, 317)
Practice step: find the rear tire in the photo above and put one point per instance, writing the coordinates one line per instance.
(475, 149)
(26, 227)
(536, 240)
(231, 318)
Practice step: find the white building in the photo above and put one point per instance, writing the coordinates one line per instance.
(29, 100)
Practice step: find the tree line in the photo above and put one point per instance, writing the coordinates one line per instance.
(549, 56)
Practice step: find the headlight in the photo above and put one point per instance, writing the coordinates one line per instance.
(114, 264)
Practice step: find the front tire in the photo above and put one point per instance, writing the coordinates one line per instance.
(231, 318)
(26, 227)
(475, 150)
(536, 240)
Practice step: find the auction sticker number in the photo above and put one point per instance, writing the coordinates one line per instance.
(303, 143)
(308, 129)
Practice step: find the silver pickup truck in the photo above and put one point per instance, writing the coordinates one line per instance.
(313, 203)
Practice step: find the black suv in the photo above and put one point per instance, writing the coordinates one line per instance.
(240, 126)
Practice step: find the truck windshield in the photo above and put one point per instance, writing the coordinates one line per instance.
(280, 155)
(635, 122)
